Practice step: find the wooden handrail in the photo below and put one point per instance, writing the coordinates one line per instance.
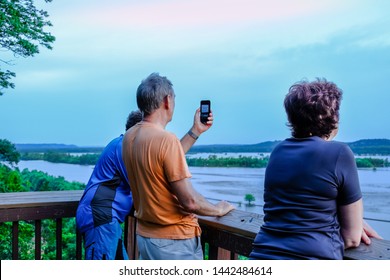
(227, 236)
(38, 206)
(245, 225)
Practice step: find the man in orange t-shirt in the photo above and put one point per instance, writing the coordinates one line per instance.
(165, 202)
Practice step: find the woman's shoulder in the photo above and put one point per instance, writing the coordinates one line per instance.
(338, 144)
(316, 143)
(339, 149)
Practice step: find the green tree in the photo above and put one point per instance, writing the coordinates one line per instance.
(8, 152)
(14, 182)
(249, 197)
(6, 241)
(21, 32)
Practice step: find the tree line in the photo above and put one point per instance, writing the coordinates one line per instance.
(240, 161)
(56, 157)
(210, 161)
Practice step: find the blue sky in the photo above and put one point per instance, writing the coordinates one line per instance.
(243, 55)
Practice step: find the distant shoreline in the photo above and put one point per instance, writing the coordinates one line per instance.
(250, 160)
(360, 147)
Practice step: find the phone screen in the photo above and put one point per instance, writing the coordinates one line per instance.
(204, 110)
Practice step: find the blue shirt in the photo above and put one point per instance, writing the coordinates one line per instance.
(107, 195)
(305, 182)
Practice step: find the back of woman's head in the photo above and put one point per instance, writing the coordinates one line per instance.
(313, 108)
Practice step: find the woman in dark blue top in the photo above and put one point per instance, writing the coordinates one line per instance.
(312, 200)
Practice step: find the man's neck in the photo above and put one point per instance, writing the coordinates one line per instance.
(158, 118)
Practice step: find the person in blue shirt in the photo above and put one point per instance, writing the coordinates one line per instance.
(106, 202)
(313, 206)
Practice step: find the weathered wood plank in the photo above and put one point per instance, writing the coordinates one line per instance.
(130, 237)
(15, 240)
(79, 244)
(38, 239)
(29, 199)
(59, 239)
(235, 243)
(377, 250)
(242, 228)
(237, 221)
(65, 210)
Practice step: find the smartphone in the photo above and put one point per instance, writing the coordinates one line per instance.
(205, 110)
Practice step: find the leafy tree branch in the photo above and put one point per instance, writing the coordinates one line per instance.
(22, 31)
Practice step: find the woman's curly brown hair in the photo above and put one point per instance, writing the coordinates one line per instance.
(313, 108)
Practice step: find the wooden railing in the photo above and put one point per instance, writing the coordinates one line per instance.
(227, 237)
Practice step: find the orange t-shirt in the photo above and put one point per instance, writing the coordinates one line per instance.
(153, 158)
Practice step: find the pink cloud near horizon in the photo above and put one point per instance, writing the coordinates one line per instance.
(178, 14)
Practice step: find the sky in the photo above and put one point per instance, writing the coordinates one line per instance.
(243, 55)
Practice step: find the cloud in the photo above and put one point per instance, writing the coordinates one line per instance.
(179, 14)
(176, 25)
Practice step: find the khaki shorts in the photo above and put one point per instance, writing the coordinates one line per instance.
(169, 249)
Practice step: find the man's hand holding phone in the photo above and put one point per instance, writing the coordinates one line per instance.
(202, 123)
(197, 128)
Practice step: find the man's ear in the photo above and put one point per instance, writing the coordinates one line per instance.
(166, 102)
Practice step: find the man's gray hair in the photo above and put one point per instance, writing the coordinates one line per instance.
(152, 91)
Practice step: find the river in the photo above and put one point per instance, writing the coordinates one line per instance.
(233, 184)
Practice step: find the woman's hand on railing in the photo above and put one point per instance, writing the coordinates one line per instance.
(368, 233)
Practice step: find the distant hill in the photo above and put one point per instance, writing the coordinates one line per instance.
(361, 147)
(264, 147)
(59, 148)
(371, 146)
